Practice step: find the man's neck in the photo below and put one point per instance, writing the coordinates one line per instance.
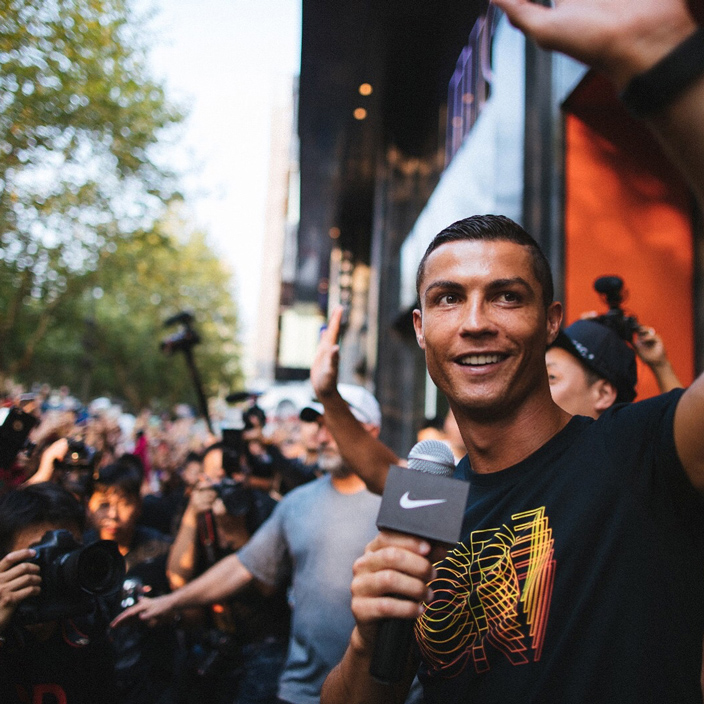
(502, 442)
(347, 483)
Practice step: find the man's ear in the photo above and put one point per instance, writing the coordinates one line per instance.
(554, 320)
(418, 327)
(605, 395)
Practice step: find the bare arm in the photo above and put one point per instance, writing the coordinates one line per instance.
(181, 564)
(220, 582)
(623, 38)
(651, 350)
(45, 471)
(392, 564)
(366, 455)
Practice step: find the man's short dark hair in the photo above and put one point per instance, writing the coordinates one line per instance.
(125, 478)
(493, 228)
(35, 504)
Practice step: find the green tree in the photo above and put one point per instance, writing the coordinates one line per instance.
(79, 123)
(106, 341)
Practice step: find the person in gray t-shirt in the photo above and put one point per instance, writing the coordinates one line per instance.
(312, 538)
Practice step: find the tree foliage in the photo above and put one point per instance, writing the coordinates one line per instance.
(88, 267)
(109, 344)
(79, 121)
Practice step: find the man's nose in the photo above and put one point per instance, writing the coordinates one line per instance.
(475, 317)
(323, 435)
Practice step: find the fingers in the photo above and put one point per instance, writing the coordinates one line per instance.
(139, 610)
(331, 333)
(393, 566)
(527, 16)
(13, 558)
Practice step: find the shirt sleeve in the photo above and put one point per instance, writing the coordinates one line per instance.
(266, 555)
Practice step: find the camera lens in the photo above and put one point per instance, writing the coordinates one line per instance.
(96, 569)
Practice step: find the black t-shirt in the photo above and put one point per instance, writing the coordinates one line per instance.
(74, 666)
(580, 574)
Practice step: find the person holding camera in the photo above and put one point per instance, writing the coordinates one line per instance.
(312, 539)
(44, 654)
(238, 653)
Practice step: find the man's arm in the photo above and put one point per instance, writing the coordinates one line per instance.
(221, 581)
(392, 564)
(624, 38)
(366, 455)
(651, 349)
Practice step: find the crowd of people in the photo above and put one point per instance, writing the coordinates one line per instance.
(145, 560)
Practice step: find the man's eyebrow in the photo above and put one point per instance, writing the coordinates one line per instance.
(515, 280)
(446, 285)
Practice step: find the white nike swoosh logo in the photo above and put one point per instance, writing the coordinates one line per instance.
(407, 502)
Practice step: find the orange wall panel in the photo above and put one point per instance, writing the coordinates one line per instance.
(628, 214)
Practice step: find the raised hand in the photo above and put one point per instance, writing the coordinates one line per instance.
(324, 370)
(619, 37)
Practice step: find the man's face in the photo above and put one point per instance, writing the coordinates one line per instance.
(483, 326)
(570, 385)
(309, 436)
(329, 458)
(212, 465)
(114, 514)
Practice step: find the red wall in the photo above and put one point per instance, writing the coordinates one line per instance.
(627, 213)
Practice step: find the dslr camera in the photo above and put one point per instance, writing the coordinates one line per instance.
(77, 469)
(235, 495)
(611, 290)
(73, 577)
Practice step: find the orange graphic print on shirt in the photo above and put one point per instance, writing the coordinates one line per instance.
(491, 598)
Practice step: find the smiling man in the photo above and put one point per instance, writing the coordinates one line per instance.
(582, 551)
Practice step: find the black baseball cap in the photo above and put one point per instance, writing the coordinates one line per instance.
(600, 349)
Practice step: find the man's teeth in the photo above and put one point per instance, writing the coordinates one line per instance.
(479, 359)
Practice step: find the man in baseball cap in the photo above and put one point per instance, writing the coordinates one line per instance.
(365, 408)
(590, 368)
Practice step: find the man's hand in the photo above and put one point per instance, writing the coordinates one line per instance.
(19, 580)
(392, 564)
(650, 347)
(323, 371)
(619, 37)
(150, 611)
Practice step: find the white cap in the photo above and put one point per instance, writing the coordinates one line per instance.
(365, 408)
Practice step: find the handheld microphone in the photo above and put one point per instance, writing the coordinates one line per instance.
(421, 500)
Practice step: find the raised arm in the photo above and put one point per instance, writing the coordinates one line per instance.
(366, 455)
(622, 39)
(651, 349)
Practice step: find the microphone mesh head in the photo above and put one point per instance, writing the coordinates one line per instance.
(433, 457)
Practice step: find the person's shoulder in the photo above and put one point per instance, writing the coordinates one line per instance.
(654, 407)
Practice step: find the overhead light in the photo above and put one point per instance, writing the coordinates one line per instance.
(360, 114)
(365, 89)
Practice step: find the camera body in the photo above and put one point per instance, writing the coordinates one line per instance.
(78, 467)
(235, 495)
(72, 575)
(611, 289)
(13, 435)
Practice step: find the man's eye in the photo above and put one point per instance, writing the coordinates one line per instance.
(509, 297)
(448, 298)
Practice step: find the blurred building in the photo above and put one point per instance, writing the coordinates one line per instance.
(413, 115)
